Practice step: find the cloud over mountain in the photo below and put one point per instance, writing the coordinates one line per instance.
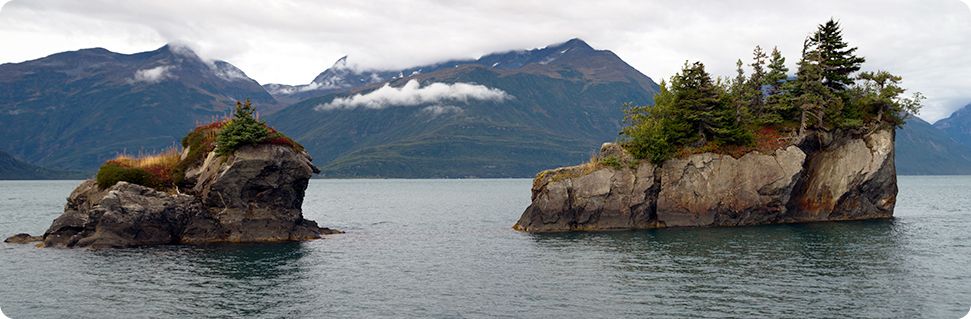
(413, 94)
(152, 75)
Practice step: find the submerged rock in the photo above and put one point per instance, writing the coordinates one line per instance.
(253, 195)
(23, 238)
(821, 178)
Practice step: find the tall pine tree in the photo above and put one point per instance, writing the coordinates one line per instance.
(756, 81)
(778, 72)
(810, 93)
(837, 59)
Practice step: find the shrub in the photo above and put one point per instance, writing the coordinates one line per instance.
(278, 138)
(612, 161)
(113, 172)
(242, 130)
(154, 171)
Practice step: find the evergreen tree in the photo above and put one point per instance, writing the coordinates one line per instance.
(740, 94)
(756, 98)
(879, 94)
(810, 93)
(694, 113)
(778, 72)
(837, 59)
(698, 100)
(778, 106)
(701, 104)
(242, 129)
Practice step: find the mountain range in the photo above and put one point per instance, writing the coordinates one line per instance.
(563, 102)
(73, 110)
(507, 114)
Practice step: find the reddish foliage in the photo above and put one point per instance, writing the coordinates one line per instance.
(214, 125)
(767, 140)
(162, 173)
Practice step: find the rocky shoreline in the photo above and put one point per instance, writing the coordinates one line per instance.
(252, 195)
(822, 176)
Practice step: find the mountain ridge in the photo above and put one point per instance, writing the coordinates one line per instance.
(560, 110)
(58, 111)
(958, 125)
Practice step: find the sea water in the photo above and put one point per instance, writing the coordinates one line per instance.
(446, 249)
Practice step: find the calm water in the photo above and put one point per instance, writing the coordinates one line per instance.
(444, 248)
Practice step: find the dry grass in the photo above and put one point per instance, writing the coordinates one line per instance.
(167, 158)
(159, 166)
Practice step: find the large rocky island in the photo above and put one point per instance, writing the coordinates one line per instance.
(252, 192)
(764, 148)
(821, 177)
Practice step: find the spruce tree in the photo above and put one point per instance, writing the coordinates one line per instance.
(778, 106)
(699, 102)
(837, 59)
(778, 72)
(740, 93)
(810, 94)
(756, 98)
(758, 66)
(242, 129)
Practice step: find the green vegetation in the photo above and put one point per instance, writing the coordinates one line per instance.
(112, 173)
(152, 171)
(166, 171)
(612, 161)
(694, 113)
(241, 130)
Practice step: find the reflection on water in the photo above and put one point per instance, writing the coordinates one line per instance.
(224, 280)
(847, 266)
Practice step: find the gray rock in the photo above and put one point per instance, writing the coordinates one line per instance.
(841, 176)
(125, 215)
(254, 195)
(718, 190)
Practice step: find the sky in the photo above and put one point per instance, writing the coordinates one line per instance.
(291, 41)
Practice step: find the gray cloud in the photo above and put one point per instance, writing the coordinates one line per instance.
(152, 75)
(927, 42)
(413, 94)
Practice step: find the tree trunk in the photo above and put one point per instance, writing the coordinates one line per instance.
(802, 122)
(819, 116)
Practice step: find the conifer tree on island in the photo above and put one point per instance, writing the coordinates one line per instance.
(696, 114)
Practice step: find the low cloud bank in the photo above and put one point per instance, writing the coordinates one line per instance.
(413, 94)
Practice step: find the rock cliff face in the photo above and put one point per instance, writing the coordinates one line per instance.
(823, 177)
(254, 195)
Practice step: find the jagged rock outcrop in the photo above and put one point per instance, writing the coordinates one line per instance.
(122, 215)
(822, 177)
(253, 195)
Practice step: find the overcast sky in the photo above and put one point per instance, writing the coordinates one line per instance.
(927, 42)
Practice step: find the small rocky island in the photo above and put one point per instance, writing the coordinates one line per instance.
(765, 148)
(235, 181)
